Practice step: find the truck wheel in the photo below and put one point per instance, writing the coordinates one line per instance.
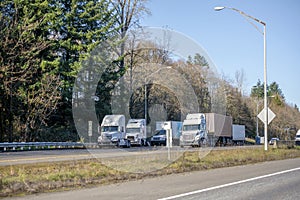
(128, 144)
(199, 144)
(202, 142)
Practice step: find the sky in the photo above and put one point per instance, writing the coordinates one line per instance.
(234, 44)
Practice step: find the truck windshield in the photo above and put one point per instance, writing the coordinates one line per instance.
(192, 127)
(109, 128)
(132, 130)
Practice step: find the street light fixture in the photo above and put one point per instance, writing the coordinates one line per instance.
(219, 8)
(169, 67)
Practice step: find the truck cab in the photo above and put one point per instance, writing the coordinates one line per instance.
(194, 130)
(112, 131)
(136, 131)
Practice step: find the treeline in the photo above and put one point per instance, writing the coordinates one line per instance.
(44, 43)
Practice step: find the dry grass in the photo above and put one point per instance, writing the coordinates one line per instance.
(44, 177)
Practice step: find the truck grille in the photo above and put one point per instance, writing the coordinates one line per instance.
(188, 137)
(131, 138)
(107, 137)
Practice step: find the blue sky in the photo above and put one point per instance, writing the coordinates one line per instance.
(232, 43)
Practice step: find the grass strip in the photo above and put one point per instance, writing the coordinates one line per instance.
(66, 175)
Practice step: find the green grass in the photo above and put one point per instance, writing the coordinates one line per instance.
(44, 177)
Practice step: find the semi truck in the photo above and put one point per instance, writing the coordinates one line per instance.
(206, 129)
(167, 133)
(136, 132)
(113, 132)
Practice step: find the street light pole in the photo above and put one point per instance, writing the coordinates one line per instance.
(265, 91)
(257, 134)
(146, 105)
(219, 8)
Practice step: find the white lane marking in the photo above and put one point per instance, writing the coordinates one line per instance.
(228, 184)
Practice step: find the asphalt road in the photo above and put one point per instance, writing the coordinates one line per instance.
(26, 157)
(268, 180)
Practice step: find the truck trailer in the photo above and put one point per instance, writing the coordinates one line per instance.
(297, 138)
(238, 134)
(113, 132)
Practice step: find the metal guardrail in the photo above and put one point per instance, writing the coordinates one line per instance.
(21, 146)
(6, 146)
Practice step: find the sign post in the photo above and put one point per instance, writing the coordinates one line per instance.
(90, 130)
(262, 117)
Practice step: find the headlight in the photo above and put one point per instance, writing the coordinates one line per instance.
(163, 137)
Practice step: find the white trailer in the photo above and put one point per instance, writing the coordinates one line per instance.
(297, 138)
(136, 131)
(238, 134)
(113, 132)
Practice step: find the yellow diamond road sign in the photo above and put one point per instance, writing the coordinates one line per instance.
(271, 115)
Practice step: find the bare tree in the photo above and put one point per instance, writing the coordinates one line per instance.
(128, 13)
(240, 79)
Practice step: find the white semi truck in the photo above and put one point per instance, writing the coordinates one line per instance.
(136, 132)
(113, 132)
(205, 128)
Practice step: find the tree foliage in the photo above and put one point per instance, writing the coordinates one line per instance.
(287, 117)
(82, 25)
(28, 66)
(44, 43)
(41, 49)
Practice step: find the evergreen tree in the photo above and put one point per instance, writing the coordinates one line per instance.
(296, 107)
(82, 26)
(28, 67)
(257, 91)
(43, 43)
